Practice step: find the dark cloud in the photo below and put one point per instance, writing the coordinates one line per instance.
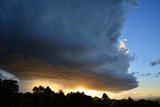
(154, 63)
(145, 75)
(134, 73)
(157, 74)
(69, 42)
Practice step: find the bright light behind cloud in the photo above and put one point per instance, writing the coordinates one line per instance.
(122, 46)
(27, 86)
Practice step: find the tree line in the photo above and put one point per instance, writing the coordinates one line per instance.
(45, 97)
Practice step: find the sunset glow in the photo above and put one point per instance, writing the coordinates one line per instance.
(90, 46)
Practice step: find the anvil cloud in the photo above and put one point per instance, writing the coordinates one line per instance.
(69, 42)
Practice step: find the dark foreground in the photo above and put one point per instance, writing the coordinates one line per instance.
(45, 97)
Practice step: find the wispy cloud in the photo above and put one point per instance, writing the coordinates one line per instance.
(134, 73)
(7, 75)
(154, 63)
(145, 75)
(157, 74)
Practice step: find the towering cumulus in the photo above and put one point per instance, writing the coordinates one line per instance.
(68, 42)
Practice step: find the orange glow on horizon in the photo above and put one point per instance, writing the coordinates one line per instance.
(136, 93)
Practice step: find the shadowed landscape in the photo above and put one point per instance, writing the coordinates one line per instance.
(45, 97)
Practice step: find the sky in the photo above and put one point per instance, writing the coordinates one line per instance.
(109, 46)
(142, 30)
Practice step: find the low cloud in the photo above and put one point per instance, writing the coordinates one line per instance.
(7, 75)
(73, 43)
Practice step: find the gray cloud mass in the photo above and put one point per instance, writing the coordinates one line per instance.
(154, 63)
(72, 42)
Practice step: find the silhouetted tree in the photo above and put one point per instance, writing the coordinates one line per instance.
(41, 88)
(47, 90)
(8, 86)
(35, 89)
(106, 100)
(79, 100)
(61, 92)
(105, 96)
(45, 97)
(8, 93)
(130, 102)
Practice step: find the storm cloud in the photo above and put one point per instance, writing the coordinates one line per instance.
(69, 42)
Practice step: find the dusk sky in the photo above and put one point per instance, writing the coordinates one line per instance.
(95, 46)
